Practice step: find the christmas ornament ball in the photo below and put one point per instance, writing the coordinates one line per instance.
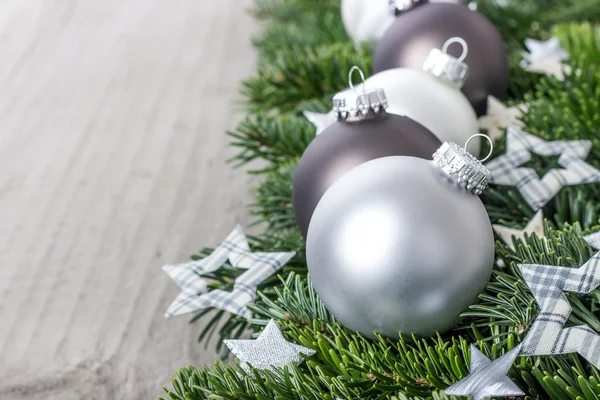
(394, 247)
(439, 107)
(366, 20)
(347, 144)
(424, 26)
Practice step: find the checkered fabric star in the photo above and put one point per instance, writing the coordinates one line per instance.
(320, 121)
(593, 239)
(537, 192)
(269, 350)
(487, 378)
(548, 335)
(500, 117)
(235, 248)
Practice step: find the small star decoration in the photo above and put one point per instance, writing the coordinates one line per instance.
(320, 121)
(499, 117)
(269, 350)
(536, 225)
(546, 57)
(487, 378)
(593, 239)
(537, 192)
(548, 334)
(190, 277)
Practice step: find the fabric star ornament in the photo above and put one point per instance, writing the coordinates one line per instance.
(537, 192)
(546, 58)
(235, 248)
(552, 67)
(499, 117)
(536, 225)
(320, 121)
(548, 334)
(269, 350)
(593, 239)
(545, 50)
(487, 378)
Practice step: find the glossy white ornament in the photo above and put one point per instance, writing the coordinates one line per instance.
(430, 101)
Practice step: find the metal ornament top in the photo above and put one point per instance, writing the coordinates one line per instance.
(398, 7)
(448, 68)
(359, 102)
(461, 167)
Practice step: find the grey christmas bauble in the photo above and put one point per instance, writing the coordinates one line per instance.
(346, 144)
(395, 247)
(425, 26)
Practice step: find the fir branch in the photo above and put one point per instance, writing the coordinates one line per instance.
(300, 73)
(276, 139)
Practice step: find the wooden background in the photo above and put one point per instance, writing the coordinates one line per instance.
(112, 149)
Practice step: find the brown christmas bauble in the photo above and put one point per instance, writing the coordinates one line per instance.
(423, 26)
(349, 143)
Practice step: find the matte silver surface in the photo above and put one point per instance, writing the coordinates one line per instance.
(394, 246)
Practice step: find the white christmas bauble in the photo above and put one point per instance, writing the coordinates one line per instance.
(366, 20)
(438, 106)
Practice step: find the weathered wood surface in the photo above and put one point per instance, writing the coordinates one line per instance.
(112, 163)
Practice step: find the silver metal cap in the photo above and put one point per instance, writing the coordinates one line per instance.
(461, 167)
(359, 101)
(448, 68)
(398, 7)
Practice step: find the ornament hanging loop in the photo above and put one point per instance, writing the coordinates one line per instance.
(362, 77)
(462, 42)
(489, 141)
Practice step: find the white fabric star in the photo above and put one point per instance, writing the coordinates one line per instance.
(500, 117)
(550, 49)
(536, 225)
(319, 120)
(487, 378)
(546, 58)
(537, 192)
(269, 350)
(552, 67)
(593, 239)
(235, 248)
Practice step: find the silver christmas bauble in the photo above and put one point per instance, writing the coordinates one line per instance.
(395, 247)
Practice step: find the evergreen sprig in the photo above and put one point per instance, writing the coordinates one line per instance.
(304, 59)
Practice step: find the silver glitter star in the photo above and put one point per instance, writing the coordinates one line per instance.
(320, 121)
(593, 239)
(269, 350)
(487, 378)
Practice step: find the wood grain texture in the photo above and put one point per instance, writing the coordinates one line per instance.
(112, 163)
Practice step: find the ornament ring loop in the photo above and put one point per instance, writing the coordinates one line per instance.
(488, 139)
(362, 76)
(462, 42)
